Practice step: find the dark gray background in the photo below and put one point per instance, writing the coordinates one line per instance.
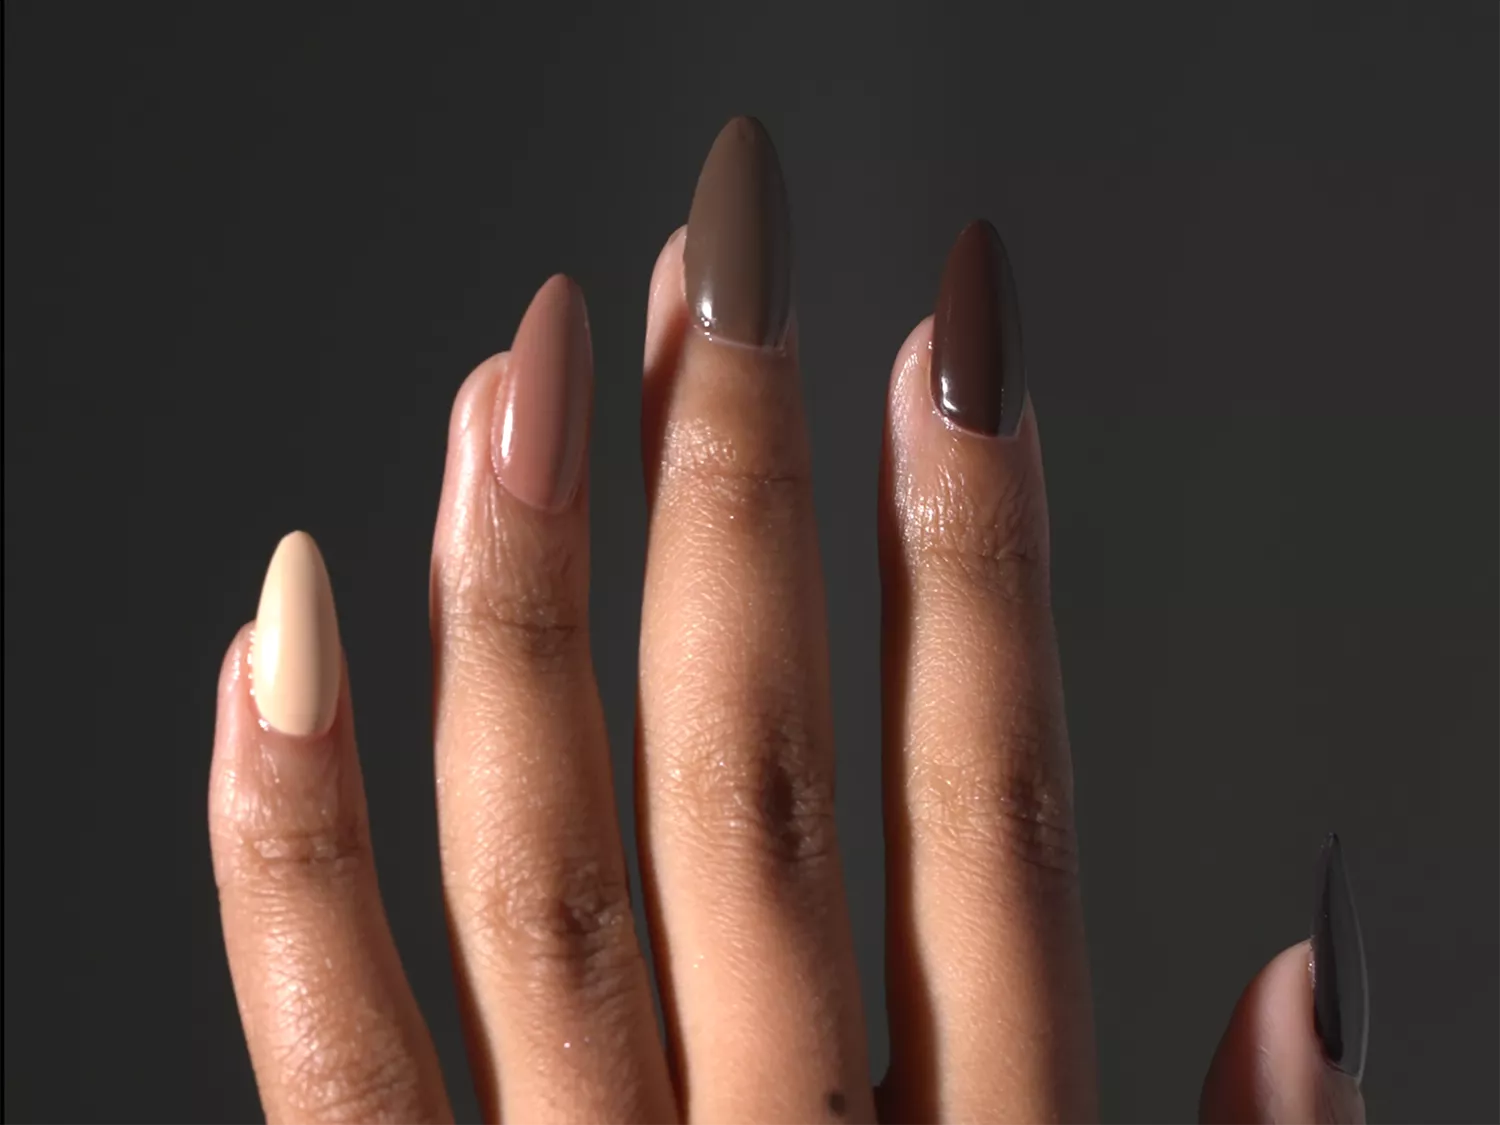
(249, 257)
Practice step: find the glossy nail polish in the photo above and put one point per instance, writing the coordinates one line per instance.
(541, 421)
(1340, 990)
(737, 262)
(978, 371)
(295, 657)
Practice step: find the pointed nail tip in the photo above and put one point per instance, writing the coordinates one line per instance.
(293, 549)
(982, 232)
(558, 301)
(747, 133)
(746, 124)
(297, 538)
(559, 288)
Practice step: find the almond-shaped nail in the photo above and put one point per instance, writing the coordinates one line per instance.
(295, 658)
(737, 263)
(978, 371)
(1341, 1006)
(542, 421)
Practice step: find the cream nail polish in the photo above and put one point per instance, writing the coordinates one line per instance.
(295, 658)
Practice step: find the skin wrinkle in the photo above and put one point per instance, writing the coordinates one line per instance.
(321, 1063)
(995, 544)
(720, 799)
(518, 601)
(270, 844)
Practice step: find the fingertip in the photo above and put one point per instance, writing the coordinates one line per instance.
(666, 308)
(461, 417)
(1269, 1066)
(236, 660)
(468, 459)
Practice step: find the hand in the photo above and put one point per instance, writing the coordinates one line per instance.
(987, 973)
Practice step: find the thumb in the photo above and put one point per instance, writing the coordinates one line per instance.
(1295, 1046)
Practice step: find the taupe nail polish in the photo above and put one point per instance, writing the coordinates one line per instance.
(295, 658)
(978, 371)
(737, 262)
(541, 422)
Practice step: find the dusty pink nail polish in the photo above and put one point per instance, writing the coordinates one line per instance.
(542, 421)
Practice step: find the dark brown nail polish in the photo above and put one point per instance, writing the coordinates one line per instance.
(738, 258)
(1340, 989)
(978, 372)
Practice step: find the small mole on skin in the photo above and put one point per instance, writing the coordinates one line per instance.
(837, 1103)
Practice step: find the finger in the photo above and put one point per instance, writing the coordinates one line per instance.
(558, 999)
(987, 975)
(735, 777)
(1295, 1046)
(334, 1032)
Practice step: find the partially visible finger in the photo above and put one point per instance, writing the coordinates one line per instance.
(333, 1029)
(987, 972)
(554, 982)
(1295, 1046)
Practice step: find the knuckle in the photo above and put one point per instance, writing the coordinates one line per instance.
(1008, 809)
(700, 466)
(507, 627)
(745, 784)
(326, 854)
(362, 1076)
(273, 833)
(563, 921)
(992, 538)
(506, 600)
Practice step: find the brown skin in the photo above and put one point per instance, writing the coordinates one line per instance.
(987, 973)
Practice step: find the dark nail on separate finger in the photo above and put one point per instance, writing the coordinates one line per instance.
(1340, 989)
(978, 371)
(737, 262)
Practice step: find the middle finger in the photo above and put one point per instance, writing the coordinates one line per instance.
(736, 752)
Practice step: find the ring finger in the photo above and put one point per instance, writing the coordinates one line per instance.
(987, 974)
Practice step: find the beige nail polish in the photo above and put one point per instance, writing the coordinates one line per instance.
(295, 657)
